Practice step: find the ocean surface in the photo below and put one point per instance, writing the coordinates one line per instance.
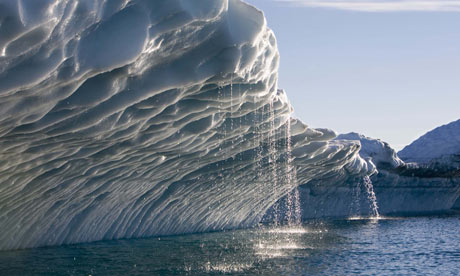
(357, 246)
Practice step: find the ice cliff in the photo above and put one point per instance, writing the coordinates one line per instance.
(123, 119)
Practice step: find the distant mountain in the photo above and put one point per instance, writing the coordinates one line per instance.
(441, 143)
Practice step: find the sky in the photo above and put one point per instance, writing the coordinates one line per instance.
(386, 69)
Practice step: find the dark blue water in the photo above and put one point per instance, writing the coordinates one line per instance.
(393, 246)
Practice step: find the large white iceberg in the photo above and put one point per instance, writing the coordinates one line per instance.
(123, 119)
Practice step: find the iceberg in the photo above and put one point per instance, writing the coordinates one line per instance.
(123, 119)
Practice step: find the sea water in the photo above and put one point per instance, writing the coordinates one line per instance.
(387, 246)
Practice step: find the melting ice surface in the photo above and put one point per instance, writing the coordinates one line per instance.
(123, 119)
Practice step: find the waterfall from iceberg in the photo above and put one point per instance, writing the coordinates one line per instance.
(371, 196)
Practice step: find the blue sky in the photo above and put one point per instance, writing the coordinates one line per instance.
(387, 69)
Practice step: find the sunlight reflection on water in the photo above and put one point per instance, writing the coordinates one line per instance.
(388, 246)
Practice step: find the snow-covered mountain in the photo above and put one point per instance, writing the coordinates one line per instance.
(123, 119)
(440, 144)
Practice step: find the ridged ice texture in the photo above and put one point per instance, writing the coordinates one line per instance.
(123, 119)
(376, 151)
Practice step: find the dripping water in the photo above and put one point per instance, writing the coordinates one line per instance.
(282, 237)
(259, 147)
(272, 156)
(371, 196)
(293, 199)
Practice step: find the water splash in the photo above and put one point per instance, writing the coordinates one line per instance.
(280, 241)
(371, 196)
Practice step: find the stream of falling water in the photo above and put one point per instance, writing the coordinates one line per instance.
(258, 137)
(272, 158)
(284, 173)
(371, 196)
(293, 199)
(274, 241)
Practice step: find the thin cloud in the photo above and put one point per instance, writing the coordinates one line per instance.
(381, 6)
